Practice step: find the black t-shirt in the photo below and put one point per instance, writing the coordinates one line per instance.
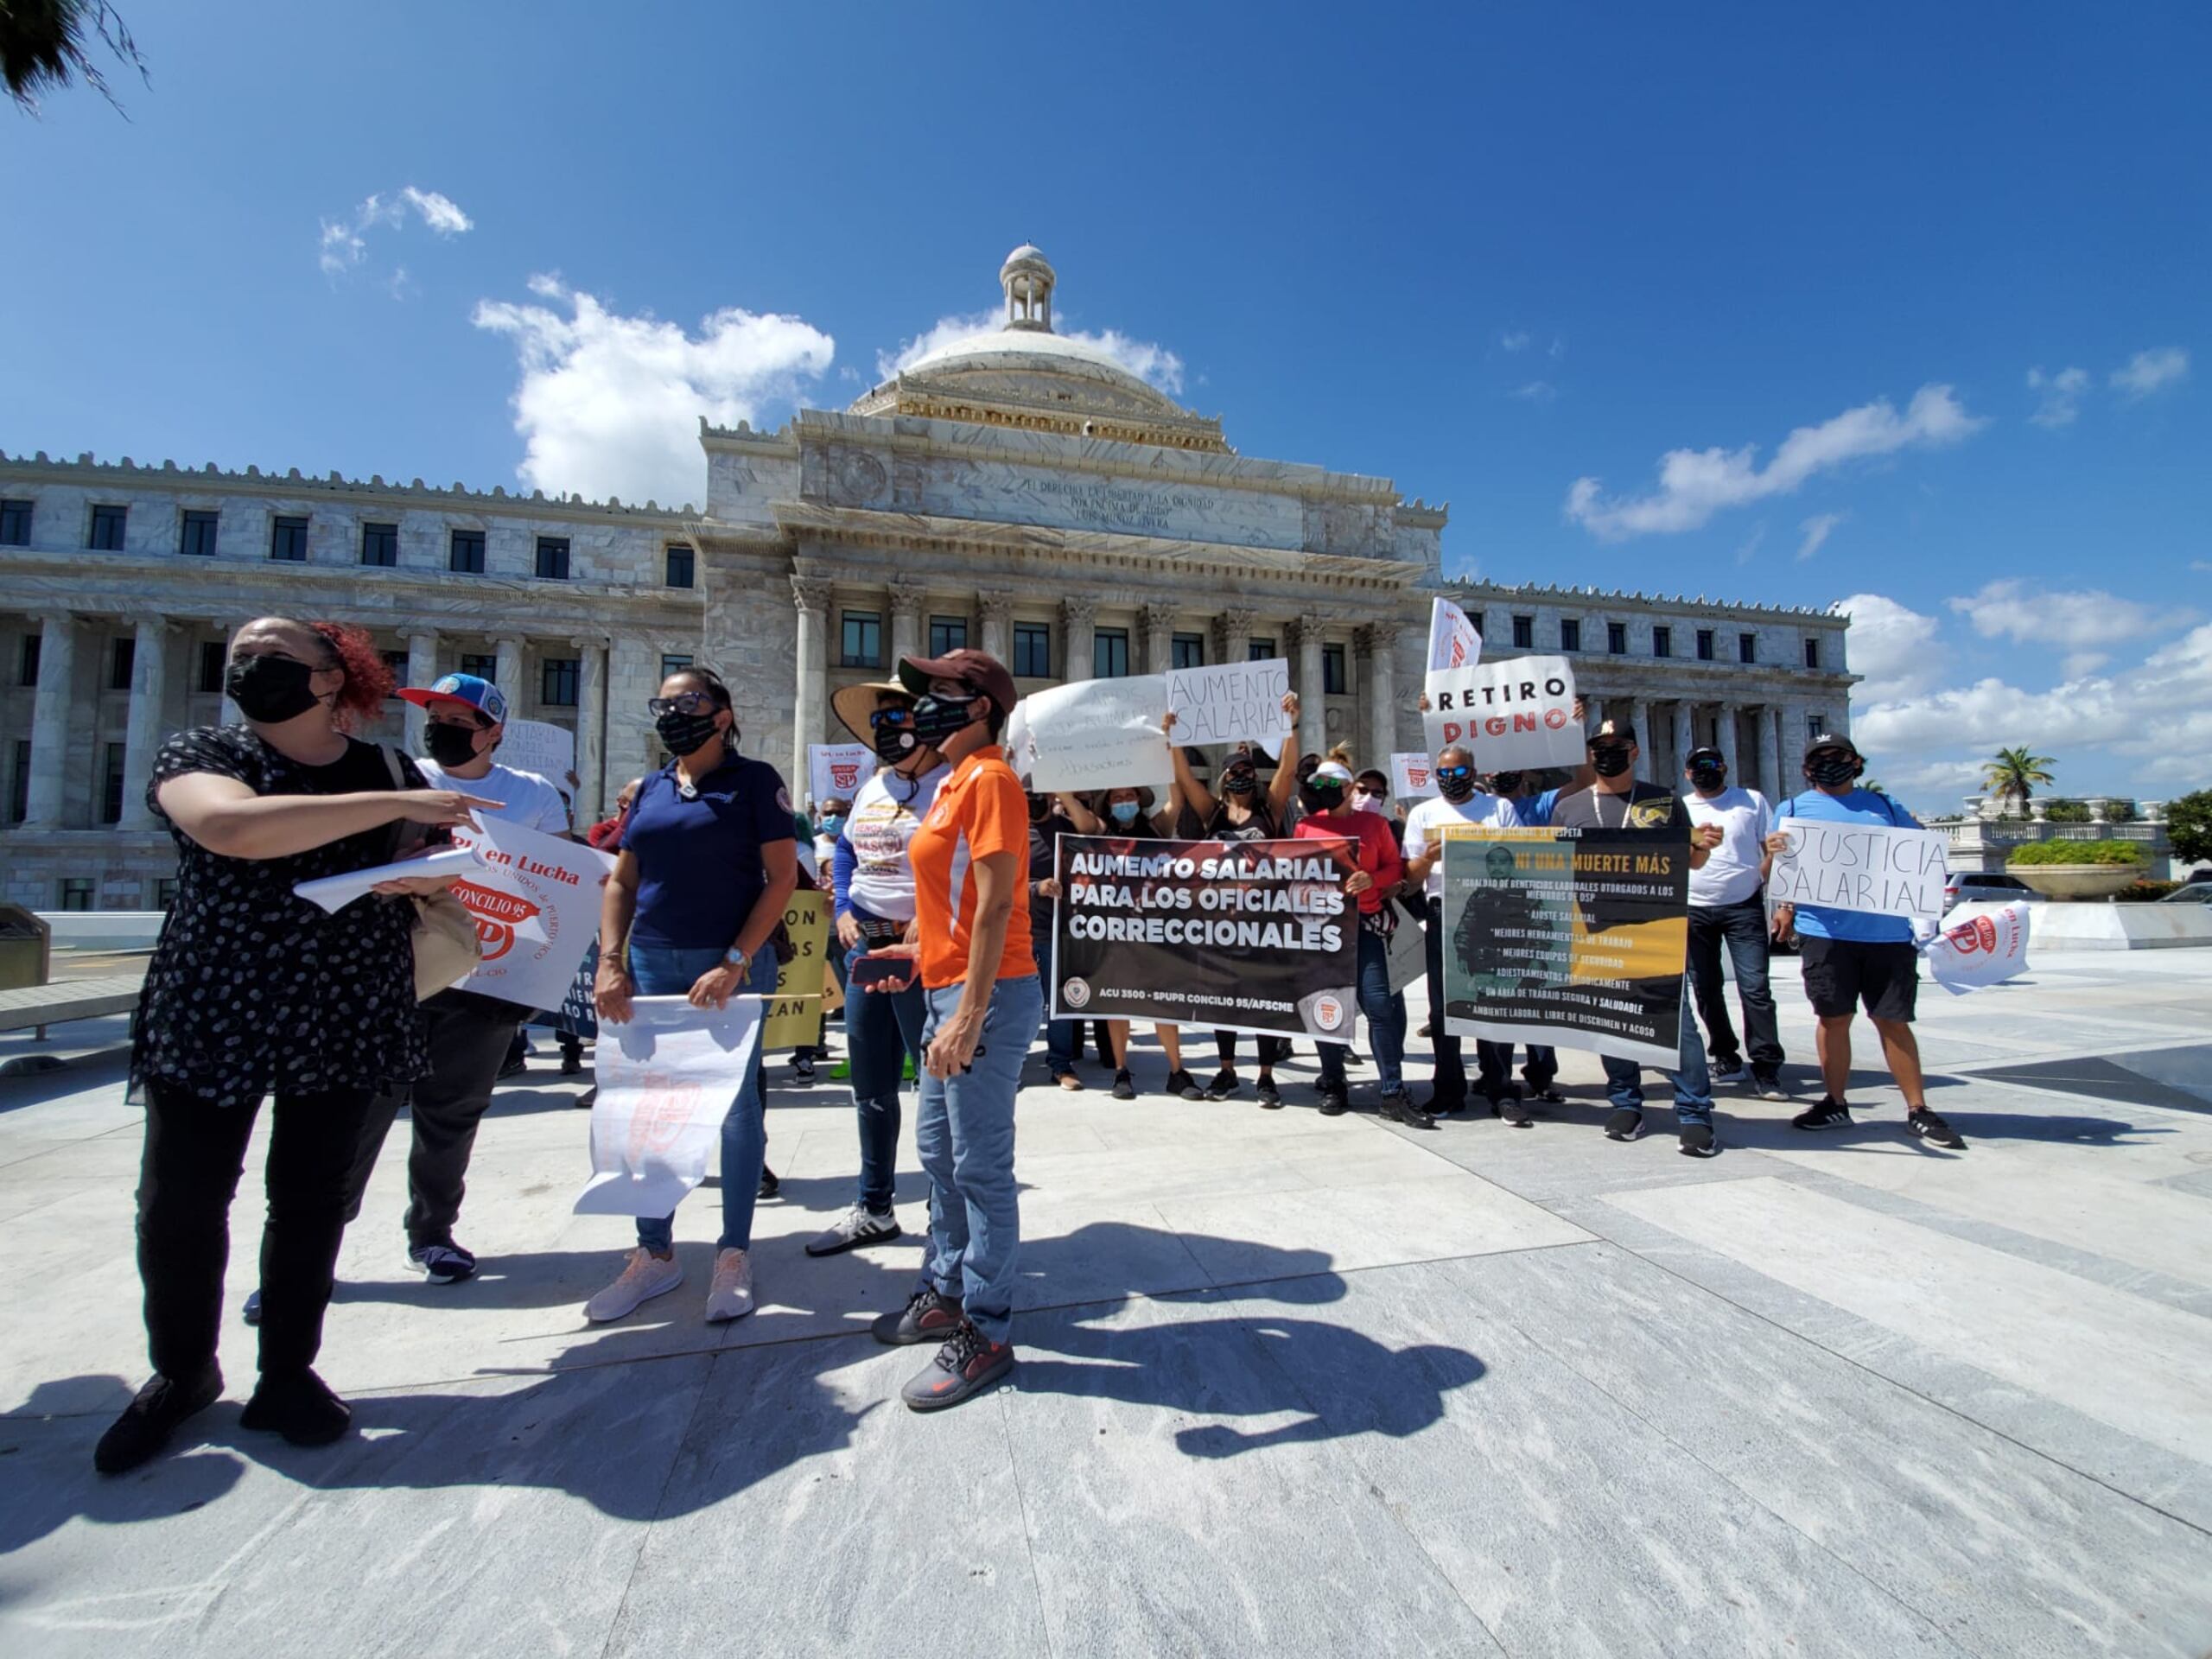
(1043, 862)
(1644, 806)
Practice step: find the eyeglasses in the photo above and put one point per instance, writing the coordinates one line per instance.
(1455, 774)
(683, 703)
(883, 717)
(1327, 786)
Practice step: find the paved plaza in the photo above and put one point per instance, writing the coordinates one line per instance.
(1290, 1385)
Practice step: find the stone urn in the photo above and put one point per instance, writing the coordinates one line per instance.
(2077, 880)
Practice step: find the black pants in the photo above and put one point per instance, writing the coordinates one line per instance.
(1493, 1061)
(196, 1152)
(1742, 928)
(1272, 1050)
(468, 1039)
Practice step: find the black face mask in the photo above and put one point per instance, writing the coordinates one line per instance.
(1040, 808)
(894, 743)
(1709, 777)
(270, 689)
(449, 744)
(1832, 770)
(683, 734)
(1455, 789)
(1319, 800)
(1610, 762)
(1507, 783)
(937, 718)
(1239, 780)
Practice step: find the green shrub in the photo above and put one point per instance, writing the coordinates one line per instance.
(2141, 892)
(2067, 811)
(2121, 809)
(2078, 852)
(2189, 826)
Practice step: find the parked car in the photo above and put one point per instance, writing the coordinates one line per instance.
(2196, 893)
(1974, 887)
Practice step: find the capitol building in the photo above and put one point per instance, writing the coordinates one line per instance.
(1018, 490)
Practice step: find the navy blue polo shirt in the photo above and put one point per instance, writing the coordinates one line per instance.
(699, 869)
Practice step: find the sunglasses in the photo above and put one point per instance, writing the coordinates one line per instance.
(883, 717)
(1327, 786)
(1455, 774)
(1371, 792)
(683, 703)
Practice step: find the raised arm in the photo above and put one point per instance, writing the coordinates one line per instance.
(1286, 778)
(1200, 798)
(1086, 822)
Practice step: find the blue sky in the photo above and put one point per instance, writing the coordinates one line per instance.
(1488, 253)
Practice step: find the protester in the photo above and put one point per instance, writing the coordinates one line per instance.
(1532, 805)
(1371, 792)
(1853, 958)
(875, 887)
(253, 991)
(972, 951)
(707, 868)
(1126, 815)
(1379, 872)
(829, 826)
(1618, 800)
(1727, 905)
(1063, 1038)
(1457, 801)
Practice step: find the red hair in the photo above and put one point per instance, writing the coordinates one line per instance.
(368, 679)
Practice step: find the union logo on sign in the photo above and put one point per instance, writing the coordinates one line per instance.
(1978, 934)
(1075, 993)
(845, 774)
(497, 914)
(1328, 1013)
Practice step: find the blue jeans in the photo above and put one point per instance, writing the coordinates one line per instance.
(660, 970)
(1063, 1039)
(1385, 1010)
(964, 1134)
(881, 1028)
(1742, 928)
(1692, 1083)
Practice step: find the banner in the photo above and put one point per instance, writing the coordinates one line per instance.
(1096, 734)
(1255, 936)
(541, 747)
(666, 1079)
(1575, 937)
(535, 898)
(1453, 639)
(1865, 867)
(1234, 703)
(794, 1016)
(1979, 947)
(1515, 715)
(1412, 776)
(835, 771)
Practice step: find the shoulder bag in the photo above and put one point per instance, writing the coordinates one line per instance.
(447, 949)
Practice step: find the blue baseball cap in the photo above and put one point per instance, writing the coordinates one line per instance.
(478, 693)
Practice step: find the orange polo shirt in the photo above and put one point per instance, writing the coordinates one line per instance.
(979, 810)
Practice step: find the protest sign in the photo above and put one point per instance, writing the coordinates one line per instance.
(835, 771)
(535, 898)
(1252, 935)
(1232, 702)
(541, 747)
(1020, 752)
(794, 1017)
(1097, 734)
(1574, 937)
(1408, 953)
(666, 1078)
(334, 892)
(1514, 714)
(1980, 945)
(1412, 777)
(1453, 640)
(1863, 866)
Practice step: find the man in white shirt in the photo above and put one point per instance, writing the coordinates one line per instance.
(1727, 904)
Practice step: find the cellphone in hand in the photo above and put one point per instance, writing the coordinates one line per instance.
(882, 970)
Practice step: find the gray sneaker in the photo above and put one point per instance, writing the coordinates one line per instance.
(857, 1226)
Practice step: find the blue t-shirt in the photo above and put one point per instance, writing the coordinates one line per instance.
(1536, 812)
(1861, 806)
(699, 869)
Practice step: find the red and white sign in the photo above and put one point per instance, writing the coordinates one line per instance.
(535, 898)
(1514, 714)
(1986, 947)
(835, 771)
(1453, 640)
(1412, 777)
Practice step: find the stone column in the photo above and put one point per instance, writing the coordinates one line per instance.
(632, 676)
(1156, 623)
(808, 710)
(510, 671)
(1771, 761)
(421, 670)
(1312, 702)
(907, 599)
(1079, 617)
(591, 727)
(997, 604)
(57, 666)
(1232, 634)
(141, 735)
(1640, 715)
(1380, 641)
(1685, 739)
(1724, 737)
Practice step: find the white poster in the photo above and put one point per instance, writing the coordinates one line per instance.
(1980, 946)
(1412, 777)
(535, 898)
(1020, 752)
(835, 771)
(1453, 640)
(665, 1080)
(1098, 735)
(1865, 867)
(1232, 702)
(1515, 715)
(539, 746)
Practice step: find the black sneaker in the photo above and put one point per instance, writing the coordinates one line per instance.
(157, 1411)
(1333, 1102)
(514, 1066)
(1546, 1091)
(769, 1185)
(572, 1064)
(1697, 1141)
(1398, 1107)
(1514, 1111)
(298, 1405)
(1181, 1082)
(929, 1316)
(1830, 1113)
(1270, 1097)
(1125, 1086)
(1928, 1126)
(802, 1068)
(1444, 1099)
(1730, 1072)
(1625, 1124)
(443, 1262)
(967, 1365)
(251, 1311)
(1225, 1083)
(1767, 1086)
(587, 1099)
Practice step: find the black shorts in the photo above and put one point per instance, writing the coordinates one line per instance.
(1841, 973)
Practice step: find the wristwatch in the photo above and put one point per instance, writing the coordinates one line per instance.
(736, 958)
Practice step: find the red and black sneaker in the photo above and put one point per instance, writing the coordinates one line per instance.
(929, 1316)
(968, 1364)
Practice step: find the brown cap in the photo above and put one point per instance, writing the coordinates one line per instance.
(1613, 731)
(853, 704)
(976, 668)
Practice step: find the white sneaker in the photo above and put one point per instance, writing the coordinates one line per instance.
(731, 1296)
(858, 1225)
(645, 1276)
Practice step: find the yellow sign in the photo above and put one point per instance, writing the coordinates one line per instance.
(794, 1015)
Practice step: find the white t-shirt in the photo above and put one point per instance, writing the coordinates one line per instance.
(524, 798)
(882, 821)
(1427, 823)
(1730, 872)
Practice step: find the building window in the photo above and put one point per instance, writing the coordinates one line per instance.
(863, 639)
(396, 661)
(1109, 654)
(381, 545)
(947, 633)
(213, 653)
(76, 892)
(107, 529)
(1616, 639)
(679, 566)
(1187, 651)
(1033, 650)
(19, 783)
(1334, 682)
(1705, 644)
(465, 553)
(165, 893)
(1524, 633)
(484, 668)
(1747, 647)
(1815, 726)
(122, 658)
(287, 541)
(27, 664)
(111, 785)
(196, 539)
(1570, 634)
(557, 685)
(1479, 622)
(1259, 648)
(15, 524)
(673, 663)
(553, 558)
(1812, 651)
(1662, 641)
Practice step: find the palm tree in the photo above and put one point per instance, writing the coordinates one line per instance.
(2013, 774)
(43, 44)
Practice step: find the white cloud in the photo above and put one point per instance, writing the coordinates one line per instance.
(1147, 360)
(1749, 546)
(440, 211)
(1816, 530)
(2080, 664)
(1536, 391)
(1695, 484)
(1892, 645)
(2060, 402)
(1515, 339)
(2080, 620)
(2202, 567)
(2152, 370)
(344, 243)
(610, 404)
